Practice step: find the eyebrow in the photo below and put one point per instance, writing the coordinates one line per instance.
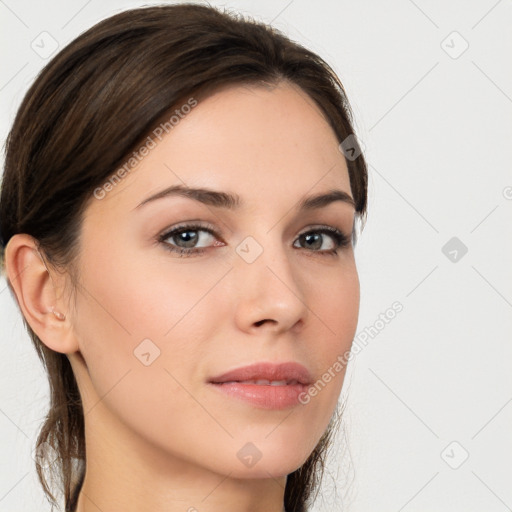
(233, 202)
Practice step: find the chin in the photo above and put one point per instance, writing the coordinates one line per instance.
(261, 470)
(265, 463)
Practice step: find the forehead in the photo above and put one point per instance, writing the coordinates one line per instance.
(253, 140)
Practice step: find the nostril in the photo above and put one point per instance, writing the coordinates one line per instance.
(261, 321)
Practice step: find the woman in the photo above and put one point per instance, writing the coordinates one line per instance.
(178, 215)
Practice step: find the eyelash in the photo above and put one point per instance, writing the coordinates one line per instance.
(341, 240)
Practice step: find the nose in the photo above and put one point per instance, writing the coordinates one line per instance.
(269, 292)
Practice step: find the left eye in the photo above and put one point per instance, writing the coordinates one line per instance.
(315, 240)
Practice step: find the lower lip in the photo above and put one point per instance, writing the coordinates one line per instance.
(264, 396)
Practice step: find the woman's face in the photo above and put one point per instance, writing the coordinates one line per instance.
(154, 327)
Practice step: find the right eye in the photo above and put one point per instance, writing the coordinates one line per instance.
(188, 235)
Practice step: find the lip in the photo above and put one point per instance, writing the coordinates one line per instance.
(267, 371)
(265, 396)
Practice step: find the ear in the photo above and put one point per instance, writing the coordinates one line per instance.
(35, 290)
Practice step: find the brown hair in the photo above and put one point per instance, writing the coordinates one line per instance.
(89, 108)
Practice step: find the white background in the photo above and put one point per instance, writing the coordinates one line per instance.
(436, 126)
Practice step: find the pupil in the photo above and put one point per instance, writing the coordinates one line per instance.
(317, 237)
(190, 238)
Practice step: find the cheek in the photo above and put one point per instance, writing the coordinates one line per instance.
(335, 301)
(139, 297)
(140, 373)
(140, 328)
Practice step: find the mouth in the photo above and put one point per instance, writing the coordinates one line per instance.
(265, 385)
(267, 374)
(263, 382)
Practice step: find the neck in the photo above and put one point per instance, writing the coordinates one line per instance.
(125, 472)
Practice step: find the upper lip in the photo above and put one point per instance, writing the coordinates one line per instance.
(288, 371)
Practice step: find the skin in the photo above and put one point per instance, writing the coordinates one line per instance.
(158, 437)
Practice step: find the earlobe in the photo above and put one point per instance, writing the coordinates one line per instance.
(34, 289)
